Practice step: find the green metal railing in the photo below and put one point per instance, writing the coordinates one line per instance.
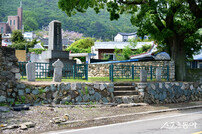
(133, 72)
(45, 71)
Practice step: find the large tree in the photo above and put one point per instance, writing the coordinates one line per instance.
(173, 23)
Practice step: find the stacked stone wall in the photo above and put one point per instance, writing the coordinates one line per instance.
(172, 92)
(63, 93)
(9, 72)
(102, 70)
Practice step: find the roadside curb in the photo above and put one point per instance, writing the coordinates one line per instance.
(140, 113)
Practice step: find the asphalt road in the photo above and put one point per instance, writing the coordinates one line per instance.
(178, 123)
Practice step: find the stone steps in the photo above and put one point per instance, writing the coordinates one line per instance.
(126, 99)
(123, 84)
(125, 92)
(118, 88)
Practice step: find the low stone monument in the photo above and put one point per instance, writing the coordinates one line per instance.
(158, 74)
(30, 70)
(143, 75)
(57, 75)
(55, 51)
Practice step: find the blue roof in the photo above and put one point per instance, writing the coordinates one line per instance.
(111, 62)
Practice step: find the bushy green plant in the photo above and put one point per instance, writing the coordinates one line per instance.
(37, 50)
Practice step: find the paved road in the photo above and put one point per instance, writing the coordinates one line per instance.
(166, 124)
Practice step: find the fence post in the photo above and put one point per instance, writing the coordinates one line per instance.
(86, 72)
(112, 73)
(168, 73)
(133, 72)
(151, 72)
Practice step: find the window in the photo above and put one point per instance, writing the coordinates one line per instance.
(13, 22)
(2, 29)
(10, 22)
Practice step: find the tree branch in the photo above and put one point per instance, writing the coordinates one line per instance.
(134, 2)
(195, 9)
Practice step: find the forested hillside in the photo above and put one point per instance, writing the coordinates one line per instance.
(38, 13)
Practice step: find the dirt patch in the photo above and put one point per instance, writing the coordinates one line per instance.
(43, 115)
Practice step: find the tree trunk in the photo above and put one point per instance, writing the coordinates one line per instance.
(178, 55)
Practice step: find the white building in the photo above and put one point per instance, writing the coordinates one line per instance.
(125, 37)
(102, 49)
(29, 36)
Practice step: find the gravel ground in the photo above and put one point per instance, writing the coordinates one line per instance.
(42, 115)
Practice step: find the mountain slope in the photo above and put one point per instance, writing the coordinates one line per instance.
(38, 13)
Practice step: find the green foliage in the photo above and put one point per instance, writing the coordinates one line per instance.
(127, 51)
(22, 99)
(81, 46)
(41, 91)
(37, 50)
(23, 45)
(17, 36)
(86, 90)
(68, 103)
(37, 14)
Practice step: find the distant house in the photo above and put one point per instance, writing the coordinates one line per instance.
(125, 37)
(197, 61)
(13, 23)
(28, 36)
(103, 49)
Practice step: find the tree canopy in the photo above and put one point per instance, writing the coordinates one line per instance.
(172, 23)
(19, 43)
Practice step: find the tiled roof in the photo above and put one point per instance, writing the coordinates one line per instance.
(119, 45)
(127, 34)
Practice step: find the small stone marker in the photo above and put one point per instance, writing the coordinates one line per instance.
(158, 74)
(30, 69)
(57, 76)
(143, 75)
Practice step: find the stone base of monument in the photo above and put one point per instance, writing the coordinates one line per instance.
(51, 56)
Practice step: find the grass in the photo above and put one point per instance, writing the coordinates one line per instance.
(95, 79)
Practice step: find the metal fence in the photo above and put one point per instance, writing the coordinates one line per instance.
(133, 72)
(45, 71)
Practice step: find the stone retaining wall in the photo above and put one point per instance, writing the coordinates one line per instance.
(80, 93)
(102, 70)
(9, 71)
(172, 92)
(74, 93)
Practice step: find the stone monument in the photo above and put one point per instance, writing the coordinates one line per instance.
(30, 70)
(158, 74)
(57, 75)
(143, 75)
(54, 51)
